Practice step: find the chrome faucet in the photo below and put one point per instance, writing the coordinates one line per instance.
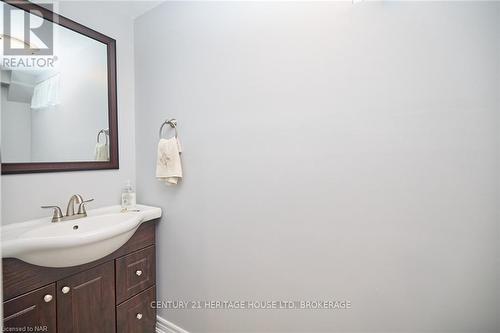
(70, 209)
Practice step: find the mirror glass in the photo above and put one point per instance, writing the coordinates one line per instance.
(54, 105)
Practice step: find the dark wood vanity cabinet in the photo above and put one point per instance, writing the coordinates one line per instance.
(112, 294)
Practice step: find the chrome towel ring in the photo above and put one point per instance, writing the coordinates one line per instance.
(172, 122)
(105, 132)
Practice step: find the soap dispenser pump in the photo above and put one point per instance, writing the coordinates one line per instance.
(128, 196)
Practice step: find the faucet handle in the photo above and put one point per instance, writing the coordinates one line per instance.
(81, 207)
(58, 215)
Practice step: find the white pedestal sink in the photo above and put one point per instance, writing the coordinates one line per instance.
(75, 242)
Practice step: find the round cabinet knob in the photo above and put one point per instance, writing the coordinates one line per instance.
(139, 316)
(138, 272)
(47, 298)
(65, 290)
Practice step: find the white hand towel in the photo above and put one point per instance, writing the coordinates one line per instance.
(168, 164)
(101, 152)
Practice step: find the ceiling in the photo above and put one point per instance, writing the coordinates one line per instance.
(129, 9)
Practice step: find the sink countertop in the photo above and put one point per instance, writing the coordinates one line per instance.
(13, 230)
(72, 242)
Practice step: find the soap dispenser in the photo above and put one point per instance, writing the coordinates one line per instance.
(128, 196)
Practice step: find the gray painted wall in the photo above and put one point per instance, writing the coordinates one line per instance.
(22, 195)
(332, 151)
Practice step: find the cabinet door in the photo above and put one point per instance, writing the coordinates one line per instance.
(86, 301)
(34, 311)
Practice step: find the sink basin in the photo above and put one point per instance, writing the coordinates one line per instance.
(75, 242)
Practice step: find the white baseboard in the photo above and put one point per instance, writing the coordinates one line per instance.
(164, 326)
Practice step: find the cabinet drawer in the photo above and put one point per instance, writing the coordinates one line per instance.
(134, 273)
(136, 315)
(33, 311)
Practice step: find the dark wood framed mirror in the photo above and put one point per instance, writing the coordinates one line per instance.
(59, 93)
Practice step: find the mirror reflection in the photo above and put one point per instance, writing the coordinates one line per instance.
(54, 110)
